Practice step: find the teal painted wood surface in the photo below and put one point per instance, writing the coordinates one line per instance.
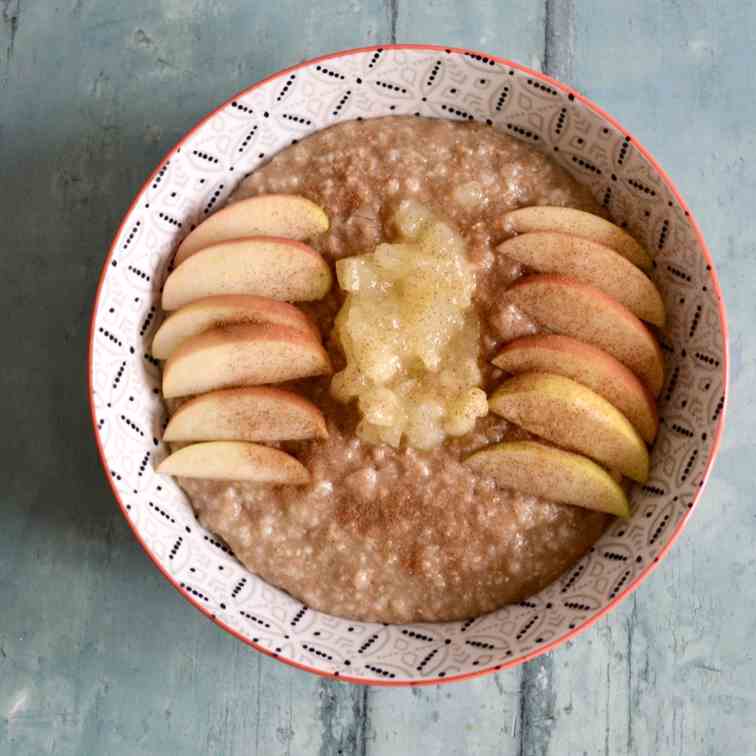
(98, 655)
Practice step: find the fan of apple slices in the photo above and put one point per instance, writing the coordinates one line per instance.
(589, 385)
(233, 331)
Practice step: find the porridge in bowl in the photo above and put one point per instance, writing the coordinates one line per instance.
(405, 477)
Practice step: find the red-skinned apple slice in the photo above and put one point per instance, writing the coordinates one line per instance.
(285, 215)
(263, 266)
(577, 222)
(242, 355)
(210, 312)
(591, 262)
(574, 417)
(539, 470)
(572, 308)
(260, 413)
(586, 364)
(235, 460)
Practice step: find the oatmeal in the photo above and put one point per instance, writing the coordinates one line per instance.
(397, 534)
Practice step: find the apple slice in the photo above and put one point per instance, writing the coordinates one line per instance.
(262, 265)
(227, 309)
(574, 417)
(579, 223)
(242, 355)
(235, 460)
(594, 263)
(538, 470)
(286, 215)
(246, 414)
(586, 364)
(572, 308)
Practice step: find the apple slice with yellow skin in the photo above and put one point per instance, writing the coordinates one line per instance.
(263, 266)
(285, 215)
(235, 460)
(572, 308)
(586, 364)
(242, 355)
(227, 309)
(591, 262)
(539, 470)
(567, 220)
(259, 413)
(574, 417)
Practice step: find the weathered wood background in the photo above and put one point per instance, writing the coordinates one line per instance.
(98, 655)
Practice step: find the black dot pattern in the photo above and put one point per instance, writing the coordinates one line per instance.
(161, 512)
(143, 463)
(578, 606)
(139, 273)
(573, 578)
(426, 660)
(607, 198)
(118, 477)
(238, 587)
(131, 235)
(663, 234)
(688, 466)
(217, 544)
(328, 72)
(248, 139)
(100, 423)
(111, 337)
(613, 556)
(623, 150)
(131, 424)
(619, 584)
(481, 645)
(696, 320)
(151, 359)
(160, 175)
(719, 408)
(317, 652)
(526, 627)
(678, 273)
(194, 592)
(542, 87)
(241, 107)
(298, 616)
(213, 199)
(256, 620)
(286, 87)
(301, 120)
(206, 156)
(466, 625)
(527, 133)
(502, 99)
(653, 490)
(707, 359)
(175, 548)
(147, 321)
(376, 57)
(342, 102)
(481, 59)
(682, 431)
(170, 219)
(434, 73)
(457, 112)
(417, 636)
(561, 121)
(587, 165)
(391, 87)
(647, 190)
(119, 374)
(369, 642)
(527, 605)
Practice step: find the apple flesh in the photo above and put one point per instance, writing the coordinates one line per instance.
(285, 215)
(242, 355)
(263, 266)
(260, 413)
(235, 460)
(539, 470)
(207, 313)
(567, 220)
(572, 308)
(586, 364)
(574, 417)
(591, 262)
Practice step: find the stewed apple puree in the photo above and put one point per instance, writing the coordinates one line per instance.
(393, 527)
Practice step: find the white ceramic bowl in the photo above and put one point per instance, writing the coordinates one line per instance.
(196, 177)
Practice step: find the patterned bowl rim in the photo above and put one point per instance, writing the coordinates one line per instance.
(714, 449)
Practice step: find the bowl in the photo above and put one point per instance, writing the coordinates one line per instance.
(197, 176)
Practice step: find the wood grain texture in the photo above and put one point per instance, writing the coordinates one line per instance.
(97, 653)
